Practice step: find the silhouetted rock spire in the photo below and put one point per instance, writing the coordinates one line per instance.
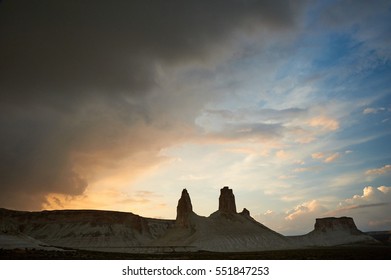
(183, 209)
(227, 201)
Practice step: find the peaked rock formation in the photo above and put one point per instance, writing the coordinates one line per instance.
(184, 209)
(245, 212)
(223, 231)
(227, 201)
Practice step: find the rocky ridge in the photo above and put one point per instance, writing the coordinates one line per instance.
(225, 230)
(83, 229)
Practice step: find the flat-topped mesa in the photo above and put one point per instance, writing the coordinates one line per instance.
(227, 201)
(345, 224)
(184, 209)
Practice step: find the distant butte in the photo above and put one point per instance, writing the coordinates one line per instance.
(336, 224)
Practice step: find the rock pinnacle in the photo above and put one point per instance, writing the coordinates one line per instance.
(184, 209)
(227, 201)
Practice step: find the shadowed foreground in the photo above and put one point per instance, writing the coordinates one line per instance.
(330, 253)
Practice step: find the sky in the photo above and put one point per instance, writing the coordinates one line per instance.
(119, 105)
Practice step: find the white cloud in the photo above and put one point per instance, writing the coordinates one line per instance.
(324, 122)
(192, 177)
(305, 209)
(370, 195)
(286, 177)
(378, 171)
(318, 155)
(306, 169)
(327, 158)
(370, 210)
(369, 110)
(332, 158)
(346, 179)
(384, 189)
(299, 220)
(282, 154)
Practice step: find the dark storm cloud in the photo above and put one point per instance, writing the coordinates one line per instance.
(76, 78)
(74, 47)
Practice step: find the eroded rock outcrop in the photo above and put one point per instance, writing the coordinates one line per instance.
(343, 224)
(227, 201)
(245, 212)
(333, 231)
(82, 229)
(225, 230)
(184, 209)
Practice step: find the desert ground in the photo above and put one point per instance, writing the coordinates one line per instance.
(373, 252)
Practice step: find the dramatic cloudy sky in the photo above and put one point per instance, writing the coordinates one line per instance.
(121, 104)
